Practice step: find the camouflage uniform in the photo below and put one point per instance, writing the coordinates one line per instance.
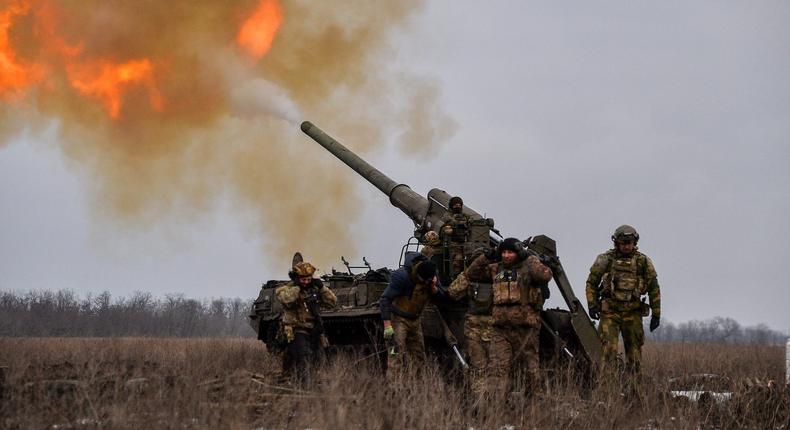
(615, 285)
(304, 342)
(454, 234)
(431, 245)
(515, 317)
(477, 327)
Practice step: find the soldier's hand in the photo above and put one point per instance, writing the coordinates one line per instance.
(654, 323)
(594, 312)
(492, 254)
(435, 285)
(388, 332)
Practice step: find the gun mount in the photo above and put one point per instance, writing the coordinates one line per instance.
(427, 214)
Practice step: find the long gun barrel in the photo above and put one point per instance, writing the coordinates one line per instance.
(427, 215)
(401, 196)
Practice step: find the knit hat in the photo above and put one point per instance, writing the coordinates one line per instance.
(426, 270)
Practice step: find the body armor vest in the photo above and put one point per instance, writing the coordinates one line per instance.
(505, 287)
(480, 298)
(623, 282)
(460, 228)
(515, 303)
(411, 306)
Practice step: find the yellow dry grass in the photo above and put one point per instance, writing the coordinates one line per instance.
(232, 383)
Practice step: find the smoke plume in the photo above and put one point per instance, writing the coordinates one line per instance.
(169, 105)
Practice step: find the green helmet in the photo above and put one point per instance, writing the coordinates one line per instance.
(625, 232)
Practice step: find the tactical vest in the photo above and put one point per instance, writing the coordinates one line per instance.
(460, 228)
(624, 281)
(480, 298)
(411, 306)
(505, 287)
(515, 303)
(508, 289)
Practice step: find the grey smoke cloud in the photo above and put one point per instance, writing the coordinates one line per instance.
(570, 120)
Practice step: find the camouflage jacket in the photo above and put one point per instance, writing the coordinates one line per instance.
(622, 280)
(294, 299)
(530, 275)
(431, 250)
(454, 227)
(479, 297)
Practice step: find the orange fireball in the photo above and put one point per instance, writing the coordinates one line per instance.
(258, 31)
(108, 82)
(15, 76)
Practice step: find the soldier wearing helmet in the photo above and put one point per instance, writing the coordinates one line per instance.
(431, 244)
(454, 233)
(618, 279)
(518, 279)
(301, 299)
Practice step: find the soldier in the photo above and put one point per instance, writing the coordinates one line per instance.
(454, 232)
(477, 327)
(618, 279)
(301, 299)
(431, 244)
(518, 278)
(411, 287)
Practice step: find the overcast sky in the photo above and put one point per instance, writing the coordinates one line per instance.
(673, 117)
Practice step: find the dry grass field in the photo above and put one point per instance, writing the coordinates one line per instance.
(64, 383)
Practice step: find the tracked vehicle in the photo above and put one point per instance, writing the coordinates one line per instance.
(566, 334)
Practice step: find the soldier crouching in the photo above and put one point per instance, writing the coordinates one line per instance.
(301, 321)
(411, 287)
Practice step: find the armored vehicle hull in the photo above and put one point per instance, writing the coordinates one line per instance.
(356, 324)
(566, 334)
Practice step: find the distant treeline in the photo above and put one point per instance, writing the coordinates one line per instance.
(715, 330)
(64, 313)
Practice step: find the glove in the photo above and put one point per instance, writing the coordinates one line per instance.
(492, 254)
(594, 311)
(388, 332)
(654, 323)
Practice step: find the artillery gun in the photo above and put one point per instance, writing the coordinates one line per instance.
(356, 321)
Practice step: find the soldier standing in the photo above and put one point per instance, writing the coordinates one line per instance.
(301, 299)
(411, 287)
(477, 326)
(517, 278)
(454, 231)
(618, 279)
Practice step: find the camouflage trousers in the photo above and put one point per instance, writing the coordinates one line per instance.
(409, 345)
(629, 324)
(514, 353)
(477, 331)
(456, 259)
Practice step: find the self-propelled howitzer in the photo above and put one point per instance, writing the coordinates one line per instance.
(426, 213)
(572, 327)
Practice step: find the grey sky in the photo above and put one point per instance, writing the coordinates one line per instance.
(670, 116)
